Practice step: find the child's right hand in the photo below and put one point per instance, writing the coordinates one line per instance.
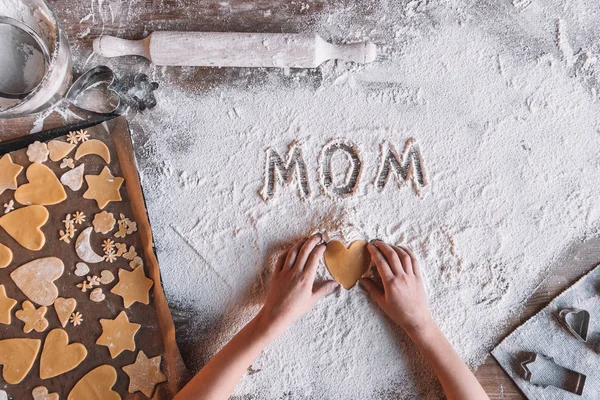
(403, 295)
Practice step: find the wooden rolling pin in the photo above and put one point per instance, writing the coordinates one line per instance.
(232, 49)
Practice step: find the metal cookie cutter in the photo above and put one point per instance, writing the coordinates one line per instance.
(576, 321)
(542, 371)
(99, 90)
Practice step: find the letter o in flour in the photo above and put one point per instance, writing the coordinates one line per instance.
(352, 174)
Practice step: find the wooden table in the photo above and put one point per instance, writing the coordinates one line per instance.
(85, 20)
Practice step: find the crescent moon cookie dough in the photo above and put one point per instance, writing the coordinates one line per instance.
(103, 188)
(118, 334)
(83, 248)
(95, 147)
(8, 173)
(133, 286)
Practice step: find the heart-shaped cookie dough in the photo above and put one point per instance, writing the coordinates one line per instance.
(96, 385)
(24, 225)
(41, 393)
(6, 256)
(81, 269)
(43, 188)
(58, 356)
(347, 265)
(106, 277)
(18, 356)
(36, 279)
(73, 179)
(64, 308)
(97, 296)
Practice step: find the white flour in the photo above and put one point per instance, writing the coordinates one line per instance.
(502, 104)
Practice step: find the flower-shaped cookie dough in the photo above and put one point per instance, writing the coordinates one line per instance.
(37, 152)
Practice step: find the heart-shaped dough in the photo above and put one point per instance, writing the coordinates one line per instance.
(81, 269)
(347, 265)
(73, 179)
(43, 188)
(41, 393)
(18, 356)
(58, 356)
(24, 225)
(96, 385)
(106, 277)
(97, 296)
(36, 279)
(64, 308)
(6, 256)
(59, 150)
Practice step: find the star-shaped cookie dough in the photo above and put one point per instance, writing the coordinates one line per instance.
(6, 306)
(8, 173)
(144, 374)
(103, 188)
(118, 334)
(133, 286)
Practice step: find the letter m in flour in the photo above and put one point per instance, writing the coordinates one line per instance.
(406, 166)
(286, 170)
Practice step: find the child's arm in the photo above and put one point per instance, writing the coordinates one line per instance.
(291, 294)
(403, 299)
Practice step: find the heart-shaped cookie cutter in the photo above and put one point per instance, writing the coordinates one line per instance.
(576, 321)
(100, 90)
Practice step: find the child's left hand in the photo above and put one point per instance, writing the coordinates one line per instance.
(293, 291)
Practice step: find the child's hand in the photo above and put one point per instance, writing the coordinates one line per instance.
(403, 296)
(293, 291)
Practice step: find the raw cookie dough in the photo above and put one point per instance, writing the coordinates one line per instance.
(6, 256)
(8, 173)
(104, 222)
(41, 393)
(103, 188)
(144, 374)
(35, 319)
(73, 179)
(347, 265)
(36, 279)
(118, 334)
(93, 146)
(37, 152)
(58, 356)
(84, 250)
(43, 188)
(133, 286)
(96, 385)
(18, 356)
(24, 225)
(6, 306)
(59, 150)
(64, 308)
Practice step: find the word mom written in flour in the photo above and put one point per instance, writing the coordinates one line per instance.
(292, 169)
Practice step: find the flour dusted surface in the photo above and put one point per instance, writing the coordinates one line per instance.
(506, 123)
